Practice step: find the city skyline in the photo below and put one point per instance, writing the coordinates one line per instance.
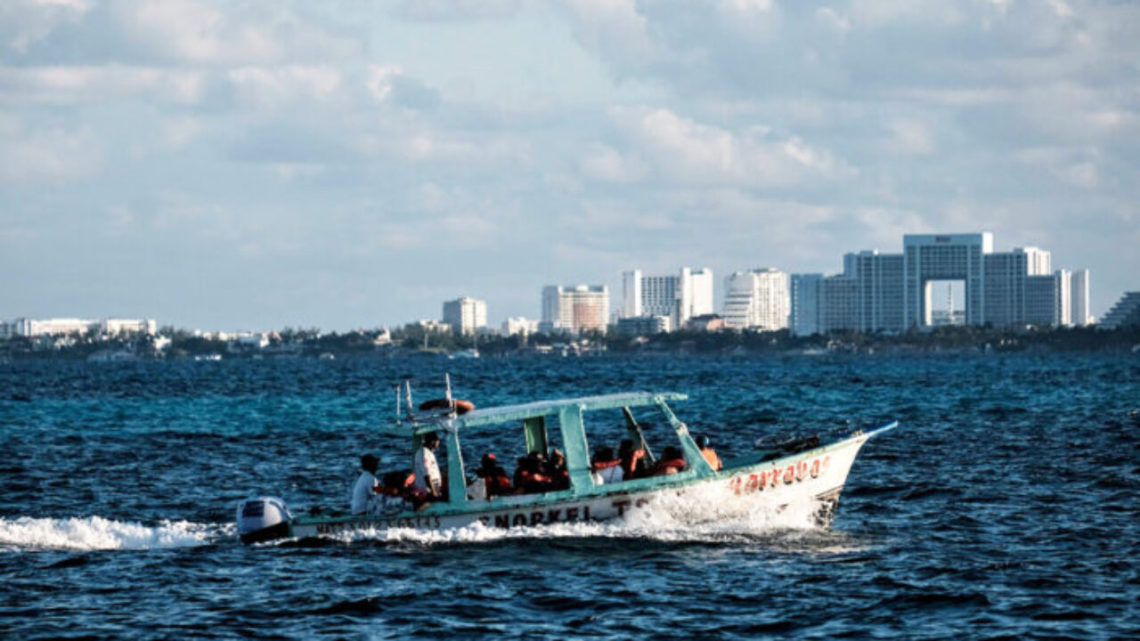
(342, 165)
(875, 291)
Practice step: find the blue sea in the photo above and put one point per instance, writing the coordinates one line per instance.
(1006, 506)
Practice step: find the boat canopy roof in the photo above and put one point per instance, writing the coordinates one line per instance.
(505, 413)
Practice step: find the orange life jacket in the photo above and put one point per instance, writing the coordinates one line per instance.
(497, 483)
(712, 458)
(676, 465)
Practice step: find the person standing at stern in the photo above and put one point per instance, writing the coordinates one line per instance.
(426, 467)
(366, 484)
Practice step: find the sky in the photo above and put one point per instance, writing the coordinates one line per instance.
(269, 164)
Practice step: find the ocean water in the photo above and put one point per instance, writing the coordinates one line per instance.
(1007, 505)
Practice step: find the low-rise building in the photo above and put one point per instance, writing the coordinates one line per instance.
(706, 323)
(431, 326)
(643, 325)
(31, 327)
(519, 326)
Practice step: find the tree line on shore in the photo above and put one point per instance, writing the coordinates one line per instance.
(174, 343)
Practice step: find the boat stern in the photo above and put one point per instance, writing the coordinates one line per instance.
(262, 519)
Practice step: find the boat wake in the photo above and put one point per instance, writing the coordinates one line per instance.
(97, 533)
(699, 515)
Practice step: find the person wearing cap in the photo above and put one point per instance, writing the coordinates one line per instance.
(428, 479)
(709, 453)
(366, 486)
(491, 481)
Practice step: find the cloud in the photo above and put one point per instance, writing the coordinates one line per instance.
(189, 32)
(616, 29)
(171, 33)
(910, 138)
(685, 151)
(388, 83)
(276, 87)
(604, 163)
(180, 131)
(457, 10)
(25, 22)
(85, 84)
(473, 149)
(287, 142)
(50, 155)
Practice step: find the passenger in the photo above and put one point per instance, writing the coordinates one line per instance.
(520, 468)
(633, 465)
(560, 476)
(709, 453)
(364, 492)
(607, 467)
(672, 461)
(533, 476)
(428, 479)
(395, 495)
(491, 480)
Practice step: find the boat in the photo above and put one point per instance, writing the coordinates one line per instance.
(805, 471)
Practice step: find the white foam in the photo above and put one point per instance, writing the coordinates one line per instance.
(711, 514)
(98, 533)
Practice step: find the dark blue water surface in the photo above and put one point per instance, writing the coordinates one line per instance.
(1006, 506)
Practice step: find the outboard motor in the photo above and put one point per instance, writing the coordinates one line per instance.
(262, 519)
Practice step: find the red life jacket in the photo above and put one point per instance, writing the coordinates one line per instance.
(497, 483)
(677, 464)
(536, 481)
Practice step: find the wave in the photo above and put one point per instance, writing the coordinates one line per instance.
(98, 533)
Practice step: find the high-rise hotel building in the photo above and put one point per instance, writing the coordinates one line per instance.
(575, 309)
(757, 299)
(892, 292)
(677, 298)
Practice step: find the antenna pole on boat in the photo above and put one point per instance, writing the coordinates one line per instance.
(408, 394)
(397, 388)
(447, 392)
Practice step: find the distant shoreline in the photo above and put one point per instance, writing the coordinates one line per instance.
(363, 345)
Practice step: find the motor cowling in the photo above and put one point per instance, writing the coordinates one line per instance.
(262, 519)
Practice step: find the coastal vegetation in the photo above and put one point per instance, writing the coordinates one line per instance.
(414, 340)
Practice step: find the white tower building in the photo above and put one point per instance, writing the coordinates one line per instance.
(679, 298)
(757, 299)
(697, 293)
(465, 315)
(1080, 298)
(631, 293)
